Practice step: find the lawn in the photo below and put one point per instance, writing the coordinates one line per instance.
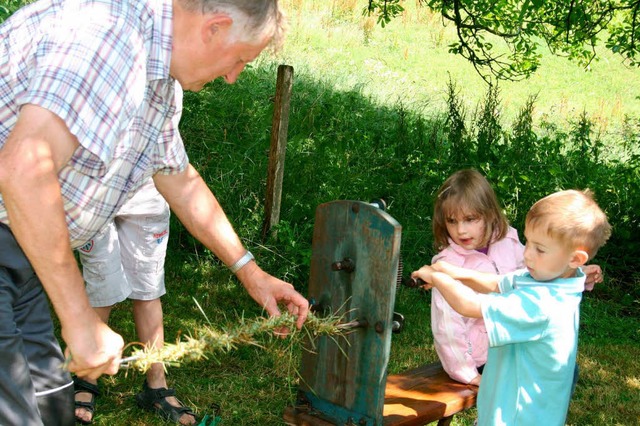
(373, 114)
(369, 118)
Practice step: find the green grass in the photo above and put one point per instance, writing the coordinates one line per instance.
(408, 62)
(366, 122)
(369, 118)
(254, 385)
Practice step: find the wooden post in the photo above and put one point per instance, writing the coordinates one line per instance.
(277, 151)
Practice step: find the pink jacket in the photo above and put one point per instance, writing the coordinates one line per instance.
(462, 343)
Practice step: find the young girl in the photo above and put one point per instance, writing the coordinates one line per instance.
(471, 231)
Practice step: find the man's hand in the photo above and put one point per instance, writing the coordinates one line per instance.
(270, 291)
(199, 211)
(92, 348)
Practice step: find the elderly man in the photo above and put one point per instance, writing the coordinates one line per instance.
(86, 100)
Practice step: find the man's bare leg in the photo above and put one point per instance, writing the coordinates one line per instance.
(148, 318)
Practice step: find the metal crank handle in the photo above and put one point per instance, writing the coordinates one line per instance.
(125, 362)
(414, 282)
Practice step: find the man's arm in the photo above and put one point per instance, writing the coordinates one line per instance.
(481, 282)
(37, 148)
(462, 299)
(199, 211)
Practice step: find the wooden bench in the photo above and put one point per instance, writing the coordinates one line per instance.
(423, 395)
(413, 398)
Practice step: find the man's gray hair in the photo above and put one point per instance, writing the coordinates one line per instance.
(261, 17)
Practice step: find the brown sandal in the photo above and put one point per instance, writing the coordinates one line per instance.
(79, 386)
(155, 400)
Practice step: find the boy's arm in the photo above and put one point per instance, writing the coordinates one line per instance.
(461, 298)
(479, 281)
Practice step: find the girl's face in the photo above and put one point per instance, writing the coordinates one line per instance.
(468, 229)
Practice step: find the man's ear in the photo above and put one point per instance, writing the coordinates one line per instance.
(215, 25)
(578, 258)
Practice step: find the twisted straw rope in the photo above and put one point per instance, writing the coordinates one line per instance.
(210, 341)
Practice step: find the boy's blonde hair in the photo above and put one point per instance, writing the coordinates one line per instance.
(574, 218)
(467, 189)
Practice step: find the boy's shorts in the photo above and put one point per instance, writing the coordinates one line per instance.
(126, 259)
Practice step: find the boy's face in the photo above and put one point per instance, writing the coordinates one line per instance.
(467, 229)
(545, 257)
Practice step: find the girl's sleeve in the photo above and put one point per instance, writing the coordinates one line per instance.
(518, 252)
(451, 339)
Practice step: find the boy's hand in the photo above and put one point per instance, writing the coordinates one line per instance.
(446, 267)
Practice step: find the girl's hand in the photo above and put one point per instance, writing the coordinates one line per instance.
(594, 276)
(476, 380)
(426, 275)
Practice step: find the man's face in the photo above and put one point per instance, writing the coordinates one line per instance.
(208, 46)
(545, 257)
(222, 59)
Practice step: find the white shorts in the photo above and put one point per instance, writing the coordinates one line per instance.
(126, 259)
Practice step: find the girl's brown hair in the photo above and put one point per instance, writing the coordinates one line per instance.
(470, 190)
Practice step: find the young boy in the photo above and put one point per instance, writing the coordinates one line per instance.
(531, 315)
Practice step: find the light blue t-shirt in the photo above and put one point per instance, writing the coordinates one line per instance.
(533, 337)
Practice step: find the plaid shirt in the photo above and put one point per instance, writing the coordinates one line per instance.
(102, 66)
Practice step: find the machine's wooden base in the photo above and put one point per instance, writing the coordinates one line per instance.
(423, 395)
(414, 398)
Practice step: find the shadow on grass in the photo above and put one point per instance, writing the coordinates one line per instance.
(341, 145)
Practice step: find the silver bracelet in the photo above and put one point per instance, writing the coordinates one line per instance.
(240, 263)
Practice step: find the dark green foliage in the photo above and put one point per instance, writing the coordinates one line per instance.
(385, 9)
(8, 7)
(342, 145)
(523, 137)
(487, 125)
(456, 123)
(502, 39)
